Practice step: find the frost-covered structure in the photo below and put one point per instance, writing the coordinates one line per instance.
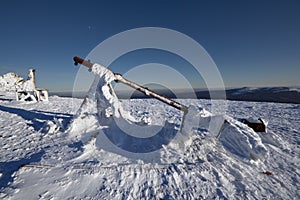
(25, 90)
(102, 108)
(28, 91)
(102, 116)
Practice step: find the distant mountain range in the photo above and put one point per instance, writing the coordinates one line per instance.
(264, 94)
(9, 82)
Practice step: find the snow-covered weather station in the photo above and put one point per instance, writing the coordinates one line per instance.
(27, 91)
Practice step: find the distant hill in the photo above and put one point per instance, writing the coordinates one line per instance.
(265, 94)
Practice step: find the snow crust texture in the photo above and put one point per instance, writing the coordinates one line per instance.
(62, 169)
(50, 152)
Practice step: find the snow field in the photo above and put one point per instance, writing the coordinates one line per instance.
(206, 170)
(52, 153)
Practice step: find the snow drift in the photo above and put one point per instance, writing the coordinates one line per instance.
(102, 116)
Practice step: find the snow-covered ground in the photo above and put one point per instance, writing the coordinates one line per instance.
(39, 159)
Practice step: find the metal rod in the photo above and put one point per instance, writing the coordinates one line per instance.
(87, 63)
(146, 91)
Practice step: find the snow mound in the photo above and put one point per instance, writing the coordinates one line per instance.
(242, 141)
(235, 137)
(102, 116)
(9, 81)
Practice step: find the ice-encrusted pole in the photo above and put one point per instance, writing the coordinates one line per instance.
(146, 91)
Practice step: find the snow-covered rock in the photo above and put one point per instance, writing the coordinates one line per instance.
(9, 82)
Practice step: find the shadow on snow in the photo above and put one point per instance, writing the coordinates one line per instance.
(37, 118)
(9, 168)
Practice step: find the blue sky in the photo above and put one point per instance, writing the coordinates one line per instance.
(253, 43)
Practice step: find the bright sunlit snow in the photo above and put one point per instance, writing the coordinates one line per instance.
(49, 150)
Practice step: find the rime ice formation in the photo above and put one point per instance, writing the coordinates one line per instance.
(101, 115)
(9, 82)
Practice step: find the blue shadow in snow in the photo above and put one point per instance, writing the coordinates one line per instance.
(36, 117)
(7, 169)
(78, 146)
(136, 144)
(8, 100)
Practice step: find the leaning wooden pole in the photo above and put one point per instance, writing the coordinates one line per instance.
(146, 91)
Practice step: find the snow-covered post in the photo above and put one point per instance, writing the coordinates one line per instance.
(31, 77)
(146, 91)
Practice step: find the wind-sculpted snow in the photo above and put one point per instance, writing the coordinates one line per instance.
(9, 82)
(118, 132)
(37, 163)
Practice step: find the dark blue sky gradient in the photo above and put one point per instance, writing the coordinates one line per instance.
(253, 43)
